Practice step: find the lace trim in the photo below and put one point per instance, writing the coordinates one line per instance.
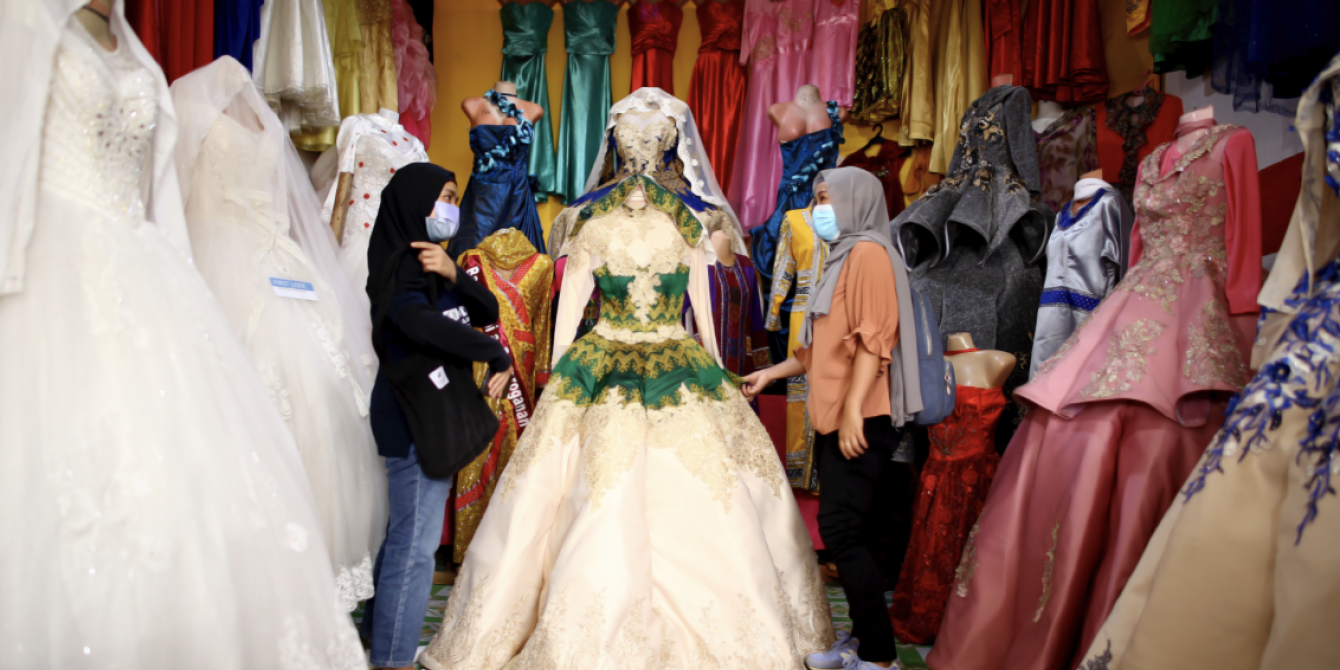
(627, 336)
(355, 584)
(967, 565)
(1048, 567)
(616, 237)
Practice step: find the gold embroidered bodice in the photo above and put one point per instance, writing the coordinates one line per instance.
(642, 148)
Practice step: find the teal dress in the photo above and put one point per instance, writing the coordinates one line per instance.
(588, 32)
(525, 40)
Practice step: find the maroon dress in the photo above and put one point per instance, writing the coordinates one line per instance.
(655, 30)
(1063, 52)
(716, 91)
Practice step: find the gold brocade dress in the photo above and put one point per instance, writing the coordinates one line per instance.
(960, 74)
(377, 84)
(521, 279)
(346, 45)
(800, 261)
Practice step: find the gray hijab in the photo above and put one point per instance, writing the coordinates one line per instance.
(858, 202)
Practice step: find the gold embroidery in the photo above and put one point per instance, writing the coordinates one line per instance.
(1125, 364)
(611, 433)
(556, 421)
(685, 220)
(1048, 566)
(1212, 354)
(967, 564)
(673, 331)
(1101, 662)
(460, 644)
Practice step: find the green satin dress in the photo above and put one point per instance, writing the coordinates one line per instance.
(525, 40)
(588, 32)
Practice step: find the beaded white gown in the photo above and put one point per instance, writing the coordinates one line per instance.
(153, 508)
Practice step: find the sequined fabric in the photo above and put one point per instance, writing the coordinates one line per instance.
(881, 60)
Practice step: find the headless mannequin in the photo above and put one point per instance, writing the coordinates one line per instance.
(342, 188)
(1185, 142)
(95, 17)
(1002, 80)
(1048, 112)
(1080, 203)
(979, 369)
(721, 242)
(481, 112)
(807, 113)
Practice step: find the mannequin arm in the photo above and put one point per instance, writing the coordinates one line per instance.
(341, 208)
(572, 298)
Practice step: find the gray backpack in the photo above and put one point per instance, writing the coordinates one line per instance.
(937, 375)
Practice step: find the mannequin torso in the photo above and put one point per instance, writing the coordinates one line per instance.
(481, 112)
(1081, 202)
(1048, 112)
(721, 242)
(807, 113)
(1185, 142)
(978, 369)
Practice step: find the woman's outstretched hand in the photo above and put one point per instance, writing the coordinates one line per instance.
(435, 259)
(754, 384)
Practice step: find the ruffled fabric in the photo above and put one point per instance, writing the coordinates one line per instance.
(416, 80)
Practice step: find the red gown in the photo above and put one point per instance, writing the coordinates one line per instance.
(655, 30)
(954, 483)
(716, 91)
(179, 35)
(1063, 52)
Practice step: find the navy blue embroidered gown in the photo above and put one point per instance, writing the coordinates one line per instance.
(499, 194)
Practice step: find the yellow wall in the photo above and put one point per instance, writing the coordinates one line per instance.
(467, 38)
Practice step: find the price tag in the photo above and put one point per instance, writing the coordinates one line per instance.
(439, 378)
(292, 288)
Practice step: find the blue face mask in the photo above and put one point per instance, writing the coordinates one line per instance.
(825, 223)
(444, 223)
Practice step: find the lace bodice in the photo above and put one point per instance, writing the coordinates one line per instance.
(98, 138)
(637, 259)
(642, 148)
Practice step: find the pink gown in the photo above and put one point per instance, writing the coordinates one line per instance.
(776, 48)
(1117, 419)
(833, 54)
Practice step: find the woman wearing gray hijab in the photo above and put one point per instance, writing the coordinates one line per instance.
(860, 394)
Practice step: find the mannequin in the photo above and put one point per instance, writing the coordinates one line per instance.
(1002, 80)
(804, 114)
(1048, 111)
(978, 369)
(1185, 142)
(720, 242)
(1081, 202)
(339, 204)
(481, 112)
(95, 16)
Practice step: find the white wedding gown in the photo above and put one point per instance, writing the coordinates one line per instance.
(315, 357)
(153, 509)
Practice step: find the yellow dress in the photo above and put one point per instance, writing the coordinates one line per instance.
(377, 85)
(800, 262)
(346, 45)
(520, 278)
(918, 107)
(960, 74)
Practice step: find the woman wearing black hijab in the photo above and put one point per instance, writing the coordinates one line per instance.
(420, 303)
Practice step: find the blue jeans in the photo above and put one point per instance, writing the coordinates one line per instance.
(393, 619)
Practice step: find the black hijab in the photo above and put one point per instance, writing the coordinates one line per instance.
(406, 201)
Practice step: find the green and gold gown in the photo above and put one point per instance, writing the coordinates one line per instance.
(645, 519)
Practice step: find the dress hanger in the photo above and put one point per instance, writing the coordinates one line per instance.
(877, 139)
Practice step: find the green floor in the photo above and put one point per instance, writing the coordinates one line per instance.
(912, 657)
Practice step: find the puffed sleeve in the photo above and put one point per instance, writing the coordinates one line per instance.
(872, 318)
(1242, 227)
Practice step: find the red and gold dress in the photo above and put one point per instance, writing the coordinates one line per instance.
(716, 90)
(954, 483)
(520, 278)
(654, 27)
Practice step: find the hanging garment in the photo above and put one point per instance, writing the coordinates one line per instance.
(954, 481)
(644, 478)
(416, 80)
(881, 60)
(1003, 27)
(801, 256)
(346, 46)
(1266, 54)
(915, 177)
(1131, 126)
(237, 26)
(1063, 58)
(521, 279)
(423, 14)
(313, 348)
(525, 40)
(717, 87)
(654, 29)
(802, 159)
(1181, 35)
(832, 63)
(776, 48)
(886, 165)
(1087, 255)
(917, 110)
(1137, 16)
(1120, 415)
(1255, 513)
(960, 74)
(588, 32)
(295, 71)
(1067, 149)
(737, 315)
(498, 195)
(146, 17)
(157, 488)
(371, 147)
(179, 35)
(377, 87)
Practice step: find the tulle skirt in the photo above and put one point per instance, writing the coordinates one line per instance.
(153, 508)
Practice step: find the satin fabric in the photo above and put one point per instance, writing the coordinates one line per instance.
(960, 75)
(346, 47)
(1004, 52)
(588, 32)
(500, 197)
(237, 25)
(654, 28)
(1064, 59)
(717, 87)
(525, 41)
(179, 35)
(832, 60)
(377, 87)
(416, 80)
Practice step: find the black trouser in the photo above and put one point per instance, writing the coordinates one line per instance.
(850, 512)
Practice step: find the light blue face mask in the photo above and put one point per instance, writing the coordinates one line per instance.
(825, 223)
(444, 223)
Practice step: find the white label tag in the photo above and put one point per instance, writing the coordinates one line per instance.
(439, 378)
(292, 288)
